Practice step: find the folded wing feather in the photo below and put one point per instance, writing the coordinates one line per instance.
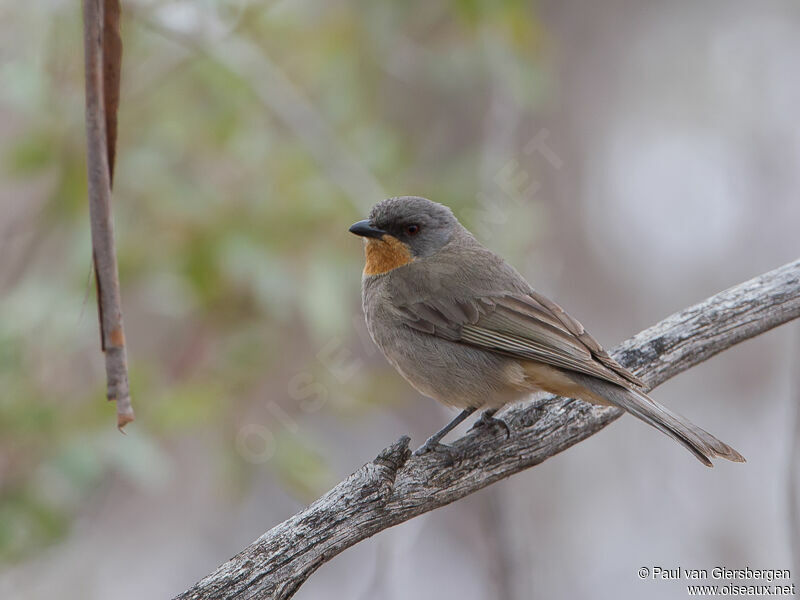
(523, 326)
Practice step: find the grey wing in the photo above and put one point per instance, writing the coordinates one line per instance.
(527, 326)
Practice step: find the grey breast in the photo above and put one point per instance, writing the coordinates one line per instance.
(444, 369)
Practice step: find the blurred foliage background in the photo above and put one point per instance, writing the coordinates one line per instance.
(251, 136)
(231, 211)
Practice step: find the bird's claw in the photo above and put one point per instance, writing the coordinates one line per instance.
(487, 419)
(435, 446)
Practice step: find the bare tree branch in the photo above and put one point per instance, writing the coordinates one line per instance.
(396, 487)
(103, 51)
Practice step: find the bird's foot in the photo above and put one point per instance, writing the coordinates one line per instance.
(434, 445)
(488, 420)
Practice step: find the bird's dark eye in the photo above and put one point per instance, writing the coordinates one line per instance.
(412, 229)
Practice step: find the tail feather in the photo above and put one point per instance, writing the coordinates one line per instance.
(698, 441)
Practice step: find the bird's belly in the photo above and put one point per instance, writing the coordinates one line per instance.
(450, 372)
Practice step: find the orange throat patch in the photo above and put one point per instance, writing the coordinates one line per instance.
(385, 254)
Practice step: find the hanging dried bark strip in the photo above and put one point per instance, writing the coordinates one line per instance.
(103, 52)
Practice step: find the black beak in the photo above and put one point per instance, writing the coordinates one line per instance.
(365, 229)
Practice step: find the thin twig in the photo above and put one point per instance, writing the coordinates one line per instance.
(396, 486)
(101, 34)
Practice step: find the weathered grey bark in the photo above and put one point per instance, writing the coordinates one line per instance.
(103, 50)
(396, 486)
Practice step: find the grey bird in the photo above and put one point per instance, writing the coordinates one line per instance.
(463, 327)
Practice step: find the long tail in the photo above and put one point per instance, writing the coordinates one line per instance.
(698, 441)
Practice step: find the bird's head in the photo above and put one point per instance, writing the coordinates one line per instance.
(402, 229)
